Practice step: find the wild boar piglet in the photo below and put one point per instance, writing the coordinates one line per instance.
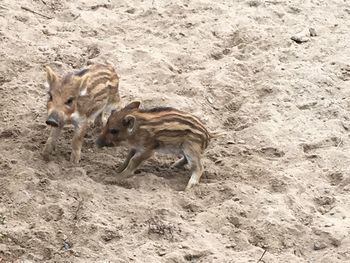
(156, 130)
(88, 95)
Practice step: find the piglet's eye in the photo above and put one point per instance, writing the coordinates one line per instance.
(113, 131)
(69, 101)
(50, 97)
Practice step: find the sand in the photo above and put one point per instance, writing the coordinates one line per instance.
(278, 182)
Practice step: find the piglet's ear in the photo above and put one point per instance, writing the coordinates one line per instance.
(51, 75)
(133, 105)
(129, 122)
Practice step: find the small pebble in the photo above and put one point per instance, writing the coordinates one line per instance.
(301, 37)
(131, 11)
(319, 245)
(161, 252)
(233, 245)
(312, 32)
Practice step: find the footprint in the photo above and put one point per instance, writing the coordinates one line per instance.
(52, 212)
(236, 123)
(234, 106)
(190, 207)
(345, 73)
(335, 178)
(325, 203)
(328, 142)
(278, 186)
(129, 183)
(194, 256)
(10, 133)
(108, 235)
(271, 152)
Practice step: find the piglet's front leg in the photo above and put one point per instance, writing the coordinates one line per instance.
(51, 141)
(136, 159)
(77, 142)
(131, 154)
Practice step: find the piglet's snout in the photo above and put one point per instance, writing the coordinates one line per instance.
(100, 142)
(53, 120)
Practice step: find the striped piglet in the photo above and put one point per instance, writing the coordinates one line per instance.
(79, 98)
(156, 130)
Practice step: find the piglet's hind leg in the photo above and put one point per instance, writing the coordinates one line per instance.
(194, 160)
(180, 163)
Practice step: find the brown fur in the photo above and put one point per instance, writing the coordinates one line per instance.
(80, 98)
(158, 129)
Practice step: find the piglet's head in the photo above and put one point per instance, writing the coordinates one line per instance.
(121, 125)
(62, 99)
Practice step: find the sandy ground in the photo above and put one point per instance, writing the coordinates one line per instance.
(278, 182)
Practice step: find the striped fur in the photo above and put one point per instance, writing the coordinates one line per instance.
(80, 98)
(157, 129)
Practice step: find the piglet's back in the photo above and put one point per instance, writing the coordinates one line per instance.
(99, 84)
(98, 77)
(171, 126)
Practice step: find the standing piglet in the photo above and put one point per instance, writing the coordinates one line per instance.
(80, 98)
(156, 130)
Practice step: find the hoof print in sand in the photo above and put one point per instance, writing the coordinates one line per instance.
(271, 152)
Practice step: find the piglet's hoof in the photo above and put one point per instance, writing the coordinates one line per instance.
(191, 184)
(110, 180)
(123, 175)
(48, 149)
(74, 158)
(45, 155)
